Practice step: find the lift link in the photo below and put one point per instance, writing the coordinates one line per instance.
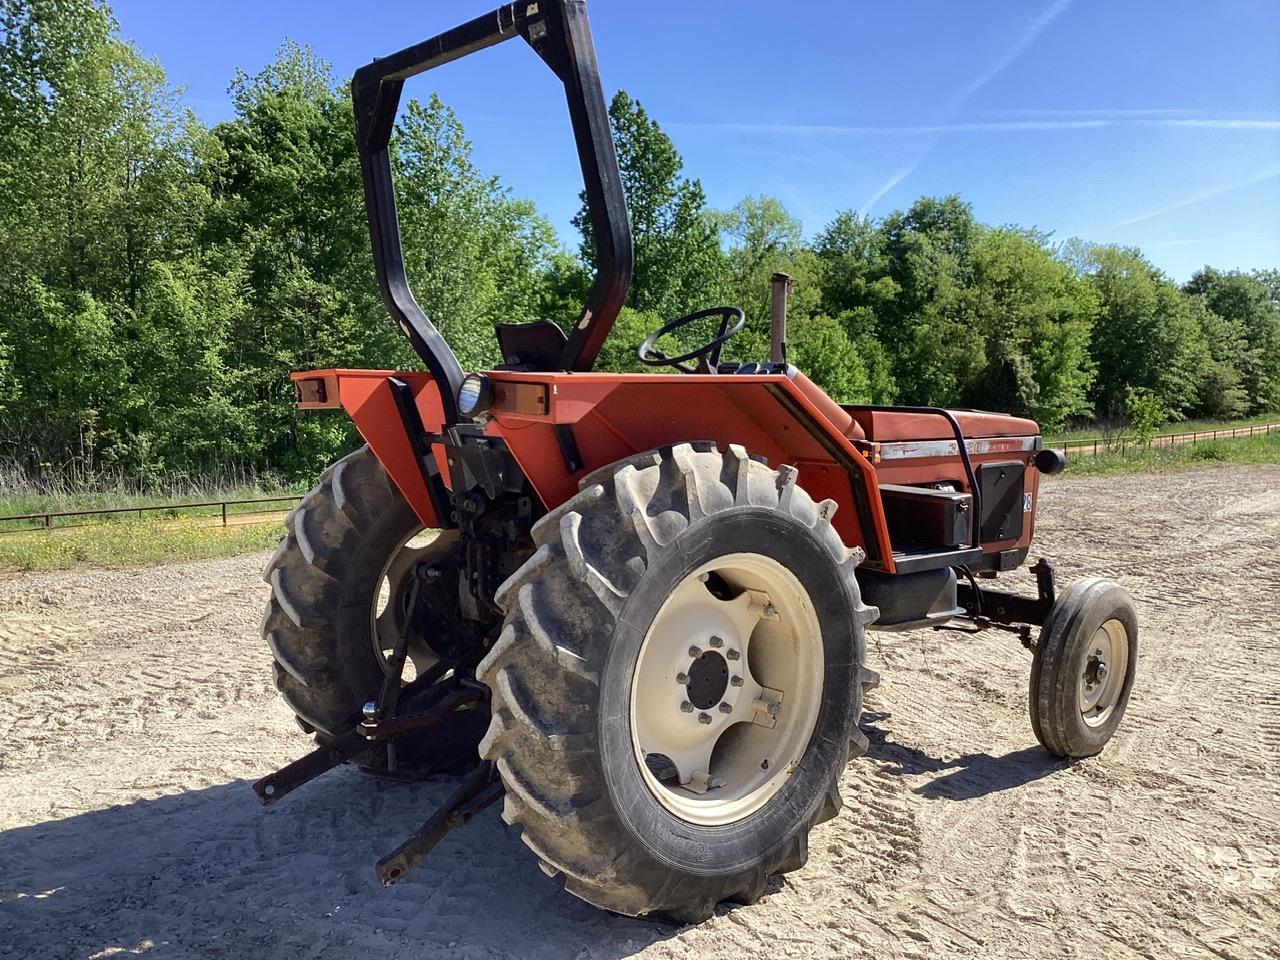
(479, 789)
(378, 722)
(356, 741)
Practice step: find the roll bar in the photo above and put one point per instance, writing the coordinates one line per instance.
(559, 33)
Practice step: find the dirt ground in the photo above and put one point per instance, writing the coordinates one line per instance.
(136, 707)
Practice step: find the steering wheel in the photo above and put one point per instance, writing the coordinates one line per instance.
(707, 355)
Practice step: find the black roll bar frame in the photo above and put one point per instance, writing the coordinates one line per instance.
(560, 34)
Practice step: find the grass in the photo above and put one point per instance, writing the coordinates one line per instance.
(1264, 448)
(131, 543)
(1184, 426)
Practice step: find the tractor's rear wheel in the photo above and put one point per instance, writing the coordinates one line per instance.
(340, 583)
(677, 681)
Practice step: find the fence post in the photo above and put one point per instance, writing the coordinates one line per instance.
(48, 520)
(224, 513)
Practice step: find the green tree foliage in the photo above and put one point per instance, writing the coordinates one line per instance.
(94, 165)
(1146, 412)
(1146, 336)
(161, 280)
(763, 239)
(1243, 331)
(474, 254)
(1035, 317)
(165, 279)
(679, 265)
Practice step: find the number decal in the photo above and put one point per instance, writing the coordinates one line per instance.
(1026, 503)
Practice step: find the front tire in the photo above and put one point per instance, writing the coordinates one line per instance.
(1084, 666)
(591, 661)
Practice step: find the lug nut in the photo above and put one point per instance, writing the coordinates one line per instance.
(686, 707)
(725, 708)
(1101, 671)
(682, 679)
(695, 652)
(717, 642)
(735, 681)
(704, 718)
(733, 655)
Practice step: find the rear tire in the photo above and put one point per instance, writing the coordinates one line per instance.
(564, 677)
(1084, 667)
(319, 622)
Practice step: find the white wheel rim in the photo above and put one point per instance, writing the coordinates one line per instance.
(727, 690)
(1102, 675)
(387, 616)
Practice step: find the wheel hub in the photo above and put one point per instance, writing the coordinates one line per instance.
(708, 679)
(1102, 677)
(726, 689)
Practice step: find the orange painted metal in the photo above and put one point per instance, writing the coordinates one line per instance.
(367, 398)
(613, 416)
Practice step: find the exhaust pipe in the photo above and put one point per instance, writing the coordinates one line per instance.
(781, 287)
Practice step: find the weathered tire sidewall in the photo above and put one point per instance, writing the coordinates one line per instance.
(1060, 660)
(731, 848)
(355, 603)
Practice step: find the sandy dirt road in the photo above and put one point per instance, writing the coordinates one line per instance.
(136, 707)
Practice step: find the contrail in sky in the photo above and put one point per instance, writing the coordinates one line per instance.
(1261, 176)
(966, 92)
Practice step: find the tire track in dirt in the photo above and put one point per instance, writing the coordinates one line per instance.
(138, 705)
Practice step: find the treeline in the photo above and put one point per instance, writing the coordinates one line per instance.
(161, 278)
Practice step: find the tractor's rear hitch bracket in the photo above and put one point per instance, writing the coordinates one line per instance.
(356, 741)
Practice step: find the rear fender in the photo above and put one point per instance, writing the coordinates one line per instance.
(367, 397)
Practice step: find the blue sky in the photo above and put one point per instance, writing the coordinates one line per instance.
(1147, 122)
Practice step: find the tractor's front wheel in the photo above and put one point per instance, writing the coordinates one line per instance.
(1084, 667)
(340, 593)
(677, 681)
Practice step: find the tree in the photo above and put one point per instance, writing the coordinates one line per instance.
(96, 157)
(1146, 336)
(679, 266)
(929, 254)
(854, 268)
(475, 256)
(290, 210)
(764, 239)
(1243, 334)
(1035, 316)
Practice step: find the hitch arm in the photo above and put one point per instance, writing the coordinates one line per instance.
(480, 788)
(357, 740)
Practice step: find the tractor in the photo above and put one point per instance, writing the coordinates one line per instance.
(633, 607)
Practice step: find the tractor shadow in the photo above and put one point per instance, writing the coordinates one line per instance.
(209, 872)
(965, 777)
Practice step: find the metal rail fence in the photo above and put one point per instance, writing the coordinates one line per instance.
(1094, 445)
(45, 520)
(1089, 446)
